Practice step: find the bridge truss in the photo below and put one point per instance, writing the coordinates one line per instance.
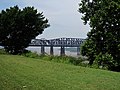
(59, 42)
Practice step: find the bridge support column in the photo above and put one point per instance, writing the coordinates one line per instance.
(78, 50)
(51, 50)
(62, 52)
(42, 50)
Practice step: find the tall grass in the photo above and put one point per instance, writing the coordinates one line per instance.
(59, 59)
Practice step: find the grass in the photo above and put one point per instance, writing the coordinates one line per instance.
(23, 73)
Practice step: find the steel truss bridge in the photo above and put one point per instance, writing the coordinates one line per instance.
(59, 42)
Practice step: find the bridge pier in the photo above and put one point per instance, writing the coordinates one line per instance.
(78, 51)
(62, 52)
(42, 50)
(51, 50)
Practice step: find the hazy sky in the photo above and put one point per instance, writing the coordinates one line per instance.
(63, 16)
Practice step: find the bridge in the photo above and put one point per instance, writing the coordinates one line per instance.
(59, 42)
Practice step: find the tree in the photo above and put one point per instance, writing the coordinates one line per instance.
(18, 27)
(103, 17)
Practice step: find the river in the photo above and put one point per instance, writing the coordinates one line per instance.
(68, 51)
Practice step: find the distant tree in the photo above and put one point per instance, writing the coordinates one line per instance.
(104, 38)
(19, 26)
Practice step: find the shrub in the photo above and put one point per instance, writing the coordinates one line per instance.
(2, 51)
(104, 61)
(31, 54)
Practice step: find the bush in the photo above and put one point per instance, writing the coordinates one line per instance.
(104, 61)
(30, 54)
(2, 51)
(64, 59)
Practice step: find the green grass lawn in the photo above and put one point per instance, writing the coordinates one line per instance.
(22, 73)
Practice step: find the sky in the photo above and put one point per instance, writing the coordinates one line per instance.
(63, 16)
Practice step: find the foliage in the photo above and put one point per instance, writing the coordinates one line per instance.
(104, 19)
(30, 54)
(88, 49)
(23, 73)
(19, 26)
(2, 51)
(59, 59)
(105, 61)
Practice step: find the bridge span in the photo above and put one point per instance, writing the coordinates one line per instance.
(59, 42)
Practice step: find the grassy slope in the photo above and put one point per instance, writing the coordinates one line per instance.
(22, 73)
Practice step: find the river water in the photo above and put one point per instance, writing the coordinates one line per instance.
(56, 51)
